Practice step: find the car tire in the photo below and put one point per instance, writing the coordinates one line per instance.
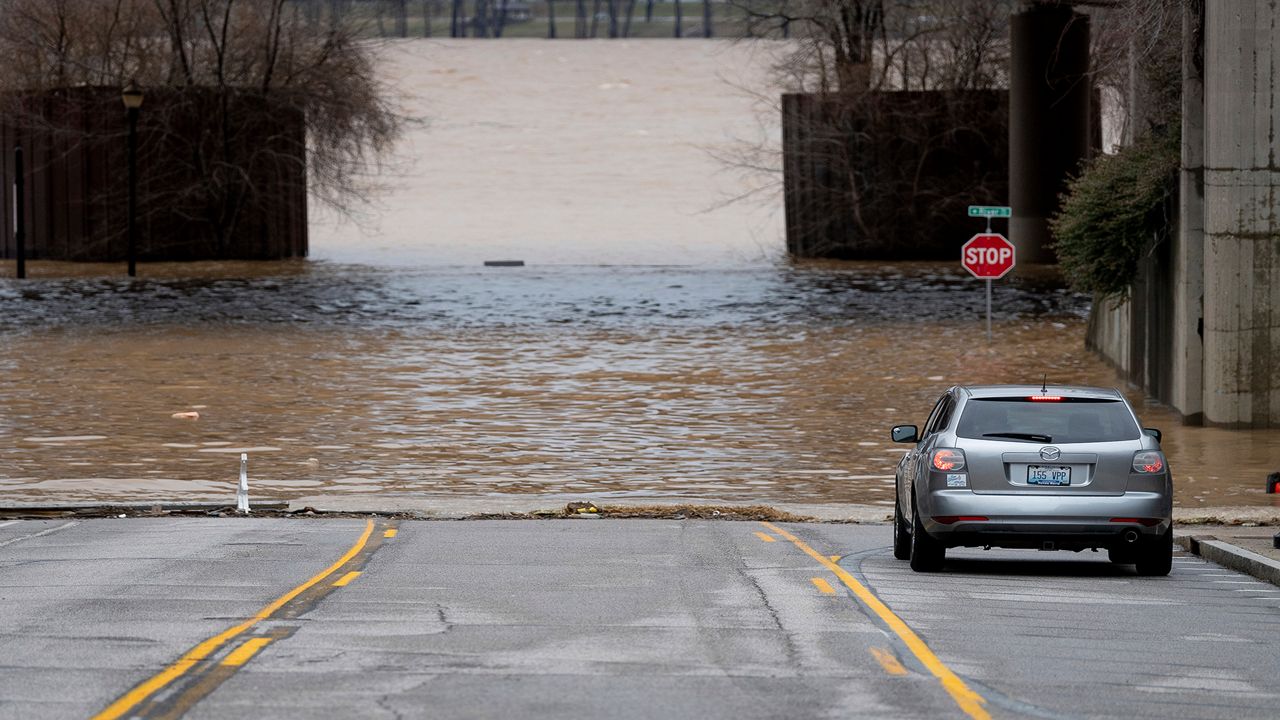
(901, 533)
(1156, 558)
(927, 554)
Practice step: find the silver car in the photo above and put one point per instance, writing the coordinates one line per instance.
(1050, 468)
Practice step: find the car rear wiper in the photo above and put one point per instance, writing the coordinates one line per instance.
(1035, 437)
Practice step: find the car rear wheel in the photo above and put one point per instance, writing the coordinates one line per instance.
(901, 536)
(927, 554)
(1156, 558)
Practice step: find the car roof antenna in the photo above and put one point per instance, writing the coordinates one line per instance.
(1044, 384)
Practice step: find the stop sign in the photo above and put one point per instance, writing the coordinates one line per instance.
(987, 255)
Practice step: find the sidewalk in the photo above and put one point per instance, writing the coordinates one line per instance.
(1247, 549)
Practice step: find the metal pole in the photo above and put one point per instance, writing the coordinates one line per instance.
(242, 492)
(133, 189)
(988, 292)
(19, 216)
(988, 311)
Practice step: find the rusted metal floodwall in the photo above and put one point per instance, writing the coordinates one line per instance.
(890, 175)
(220, 176)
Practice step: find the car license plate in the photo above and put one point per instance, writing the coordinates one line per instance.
(1048, 475)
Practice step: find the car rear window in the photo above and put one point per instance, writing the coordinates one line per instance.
(1069, 420)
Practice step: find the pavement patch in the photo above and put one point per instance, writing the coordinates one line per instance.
(970, 702)
(203, 668)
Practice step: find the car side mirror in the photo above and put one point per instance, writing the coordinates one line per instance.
(1153, 433)
(906, 433)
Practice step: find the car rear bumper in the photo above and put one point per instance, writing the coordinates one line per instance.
(1067, 522)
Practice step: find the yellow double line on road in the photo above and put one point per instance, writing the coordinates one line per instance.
(202, 651)
(969, 701)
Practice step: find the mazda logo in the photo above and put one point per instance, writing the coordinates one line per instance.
(1050, 453)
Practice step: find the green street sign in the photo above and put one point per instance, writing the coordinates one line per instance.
(989, 211)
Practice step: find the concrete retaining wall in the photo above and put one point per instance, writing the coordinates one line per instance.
(1210, 306)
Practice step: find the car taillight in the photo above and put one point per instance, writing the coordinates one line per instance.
(1148, 461)
(1045, 398)
(948, 459)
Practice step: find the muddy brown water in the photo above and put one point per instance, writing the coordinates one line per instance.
(651, 349)
(770, 384)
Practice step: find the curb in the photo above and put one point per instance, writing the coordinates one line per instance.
(134, 509)
(1233, 557)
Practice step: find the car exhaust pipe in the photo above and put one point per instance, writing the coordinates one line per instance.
(1130, 536)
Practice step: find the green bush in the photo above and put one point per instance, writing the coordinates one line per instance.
(1116, 211)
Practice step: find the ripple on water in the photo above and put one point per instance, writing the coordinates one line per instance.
(762, 385)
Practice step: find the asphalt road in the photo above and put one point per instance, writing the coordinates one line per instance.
(235, 618)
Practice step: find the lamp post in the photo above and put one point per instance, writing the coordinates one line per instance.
(19, 208)
(132, 97)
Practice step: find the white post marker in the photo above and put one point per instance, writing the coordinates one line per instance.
(242, 494)
(988, 255)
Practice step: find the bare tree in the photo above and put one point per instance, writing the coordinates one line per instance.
(1137, 58)
(480, 20)
(867, 147)
(457, 26)
(679, 29)
(231, 64)
(837, 47)
(613, 18)
(631, 11)
(551, 19)
(338, 11)
(401, 8)
(500, 21)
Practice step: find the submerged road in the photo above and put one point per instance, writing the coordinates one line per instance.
(234, 618)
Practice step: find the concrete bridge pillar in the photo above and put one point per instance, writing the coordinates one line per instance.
(1241, 222)
(1186, 393)
(1049, 118)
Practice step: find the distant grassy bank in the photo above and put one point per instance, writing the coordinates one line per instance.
(434, 18)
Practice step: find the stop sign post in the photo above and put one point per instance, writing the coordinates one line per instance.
(988, 256)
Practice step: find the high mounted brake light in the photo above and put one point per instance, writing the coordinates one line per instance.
(1045, 398)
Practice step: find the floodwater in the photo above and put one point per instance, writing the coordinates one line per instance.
(648, 350)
